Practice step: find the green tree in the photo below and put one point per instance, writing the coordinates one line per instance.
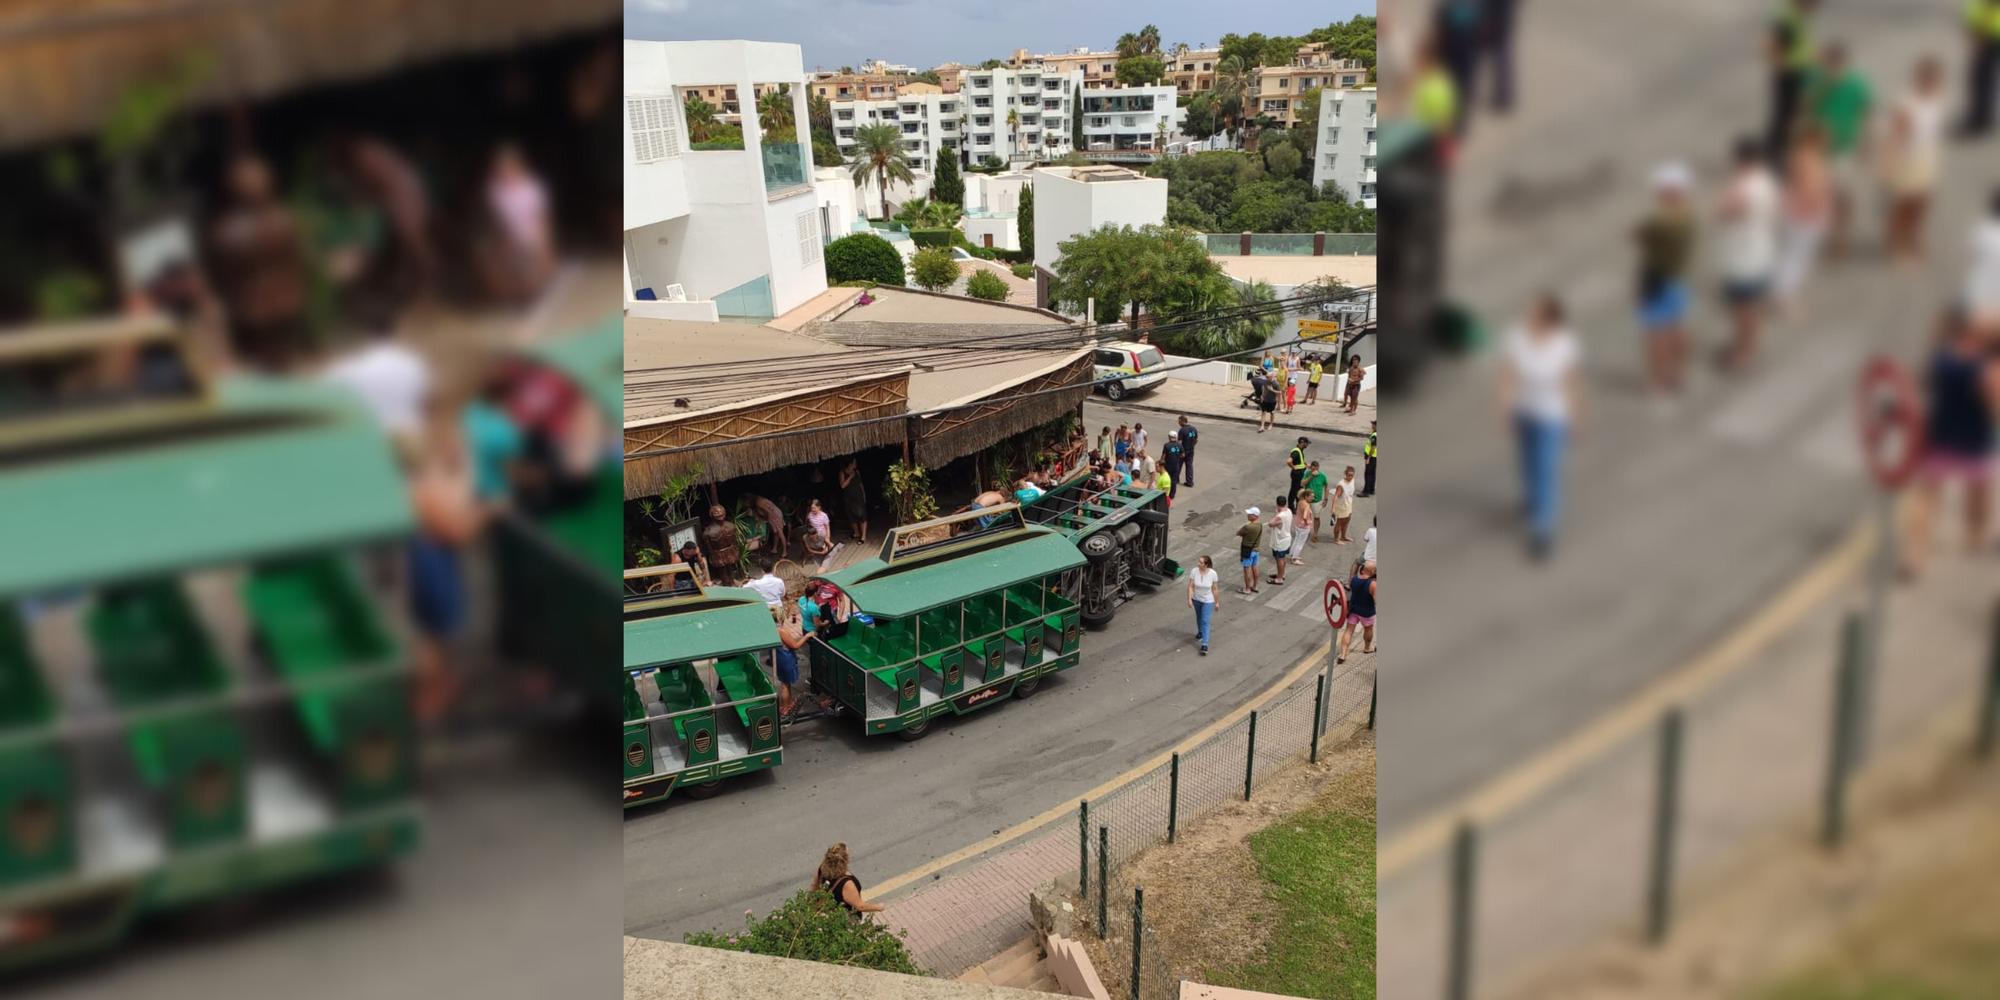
(863, 257)
(929, 76)
(826, 154)
(1024, 219)
(1245, 49)
(1013, 127)
(1199, 118)
(1308, 111)
(1279, 50)
(1127, 45)
(813, 926)
(1283, 159)
(774, 116)
(933, 269)
(819, 117)
(948, 186)
(1141, 69)
(929, 214)
(878, 152)
(1076, 118)
(1149, 40)
(1231, 90)
(985, 284)
(991, 64)
(1120, 266)
(701, 120)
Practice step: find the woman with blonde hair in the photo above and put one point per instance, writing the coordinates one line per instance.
(834, 877)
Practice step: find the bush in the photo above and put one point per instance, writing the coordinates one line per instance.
(985, 284)
(863, 257)
(813, 926)
(1023, 270)
(935, 237)
(933, 269)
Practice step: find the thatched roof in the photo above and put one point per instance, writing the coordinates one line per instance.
(690, 383)
(63, 63)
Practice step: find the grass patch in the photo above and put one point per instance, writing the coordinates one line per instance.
(1318, 866)
(1937, 938)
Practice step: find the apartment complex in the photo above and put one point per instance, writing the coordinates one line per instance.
(1344, 150)
(723, 98)
(716, 233)
(1276, 90)
(1018, 113)
(1095, 70)
(1193, 71)
(930, 123)
(855, 87)
(1130, 119)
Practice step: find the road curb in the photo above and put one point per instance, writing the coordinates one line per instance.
(1232, 418)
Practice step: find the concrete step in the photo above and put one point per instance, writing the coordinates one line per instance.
(976, 974)
(1045, 983)
(1018, 965)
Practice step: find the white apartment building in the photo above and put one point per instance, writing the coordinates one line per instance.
(718, 233)
(1344, 153)
(1070, 201)
(1039, 102)
(929, 124)
(1130, 119)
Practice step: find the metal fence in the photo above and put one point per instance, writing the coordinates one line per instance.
(1152, 809)
(1666, 804)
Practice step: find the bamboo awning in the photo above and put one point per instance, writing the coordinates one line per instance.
(855, 399)
(64, 65)
(993, 417)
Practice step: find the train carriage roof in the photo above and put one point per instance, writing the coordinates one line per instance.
(906, 589)
(718, 621)
(267, 469)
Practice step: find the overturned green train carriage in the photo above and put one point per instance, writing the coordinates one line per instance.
(205, 701)
(699, 704)
(954, 614)
(1122, 533)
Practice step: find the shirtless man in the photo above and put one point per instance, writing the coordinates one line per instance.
(718, 536)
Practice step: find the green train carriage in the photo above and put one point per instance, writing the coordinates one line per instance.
(955, 613)
(699, 703)
(199, 698)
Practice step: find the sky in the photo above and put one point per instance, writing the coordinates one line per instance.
(924, 33)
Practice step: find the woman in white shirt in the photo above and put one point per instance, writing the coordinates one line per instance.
(1915, 152)
(1538, 389)
(1201, 597)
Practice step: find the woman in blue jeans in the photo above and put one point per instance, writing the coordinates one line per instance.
(1201, 597)
(1538, 389)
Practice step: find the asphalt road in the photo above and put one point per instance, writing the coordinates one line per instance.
(692, 865)
(1680, 521)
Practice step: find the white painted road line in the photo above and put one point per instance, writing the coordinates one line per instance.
(1296, 589)
(1762, 411)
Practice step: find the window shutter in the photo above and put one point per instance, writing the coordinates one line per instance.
(655, 128)
(809, 237)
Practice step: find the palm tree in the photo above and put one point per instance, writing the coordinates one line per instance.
(700, 118)
(774, 115)
(1013, 124)
(1231, 86)
(878, 150)
(1128, 45)
(1149, 40)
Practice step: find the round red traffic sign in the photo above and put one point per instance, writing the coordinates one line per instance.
(1335, 602)
(1891, 419)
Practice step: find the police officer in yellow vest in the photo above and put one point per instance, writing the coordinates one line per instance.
(1368, 452)
(1793, 54)
(1982, 21)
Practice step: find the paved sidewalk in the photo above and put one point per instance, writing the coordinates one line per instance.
(1204, 400)
(971, 915)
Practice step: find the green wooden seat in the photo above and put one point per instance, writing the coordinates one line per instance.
(742, 680)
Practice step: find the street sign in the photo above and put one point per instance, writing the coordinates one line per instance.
(1343, 309)
(1321, 327)
(1891, 418)
(1335, 602)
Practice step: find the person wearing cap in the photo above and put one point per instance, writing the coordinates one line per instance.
(1248, 537)
(1666, 239)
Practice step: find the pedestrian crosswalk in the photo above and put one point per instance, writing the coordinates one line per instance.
(1303, 584)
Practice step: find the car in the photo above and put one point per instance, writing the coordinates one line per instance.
(1124, 367)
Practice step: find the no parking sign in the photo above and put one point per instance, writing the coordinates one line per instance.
(1891, 420)
(1335, 602)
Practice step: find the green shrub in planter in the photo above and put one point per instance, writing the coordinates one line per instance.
(934, 269)
(863, 257)
(1024, 270)
(985, 284)
(814, 927)
(934, 237)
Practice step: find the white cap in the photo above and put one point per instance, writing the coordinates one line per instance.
(1253, 512)
(1673, 176)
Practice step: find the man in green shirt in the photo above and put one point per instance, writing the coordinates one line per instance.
(1839, 101)
(1316, 482)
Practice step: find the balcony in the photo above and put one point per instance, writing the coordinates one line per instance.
(1052, 85)
(785, 165)
(982, 102)
(910, 109)
(982, 83)
(1051, 105)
